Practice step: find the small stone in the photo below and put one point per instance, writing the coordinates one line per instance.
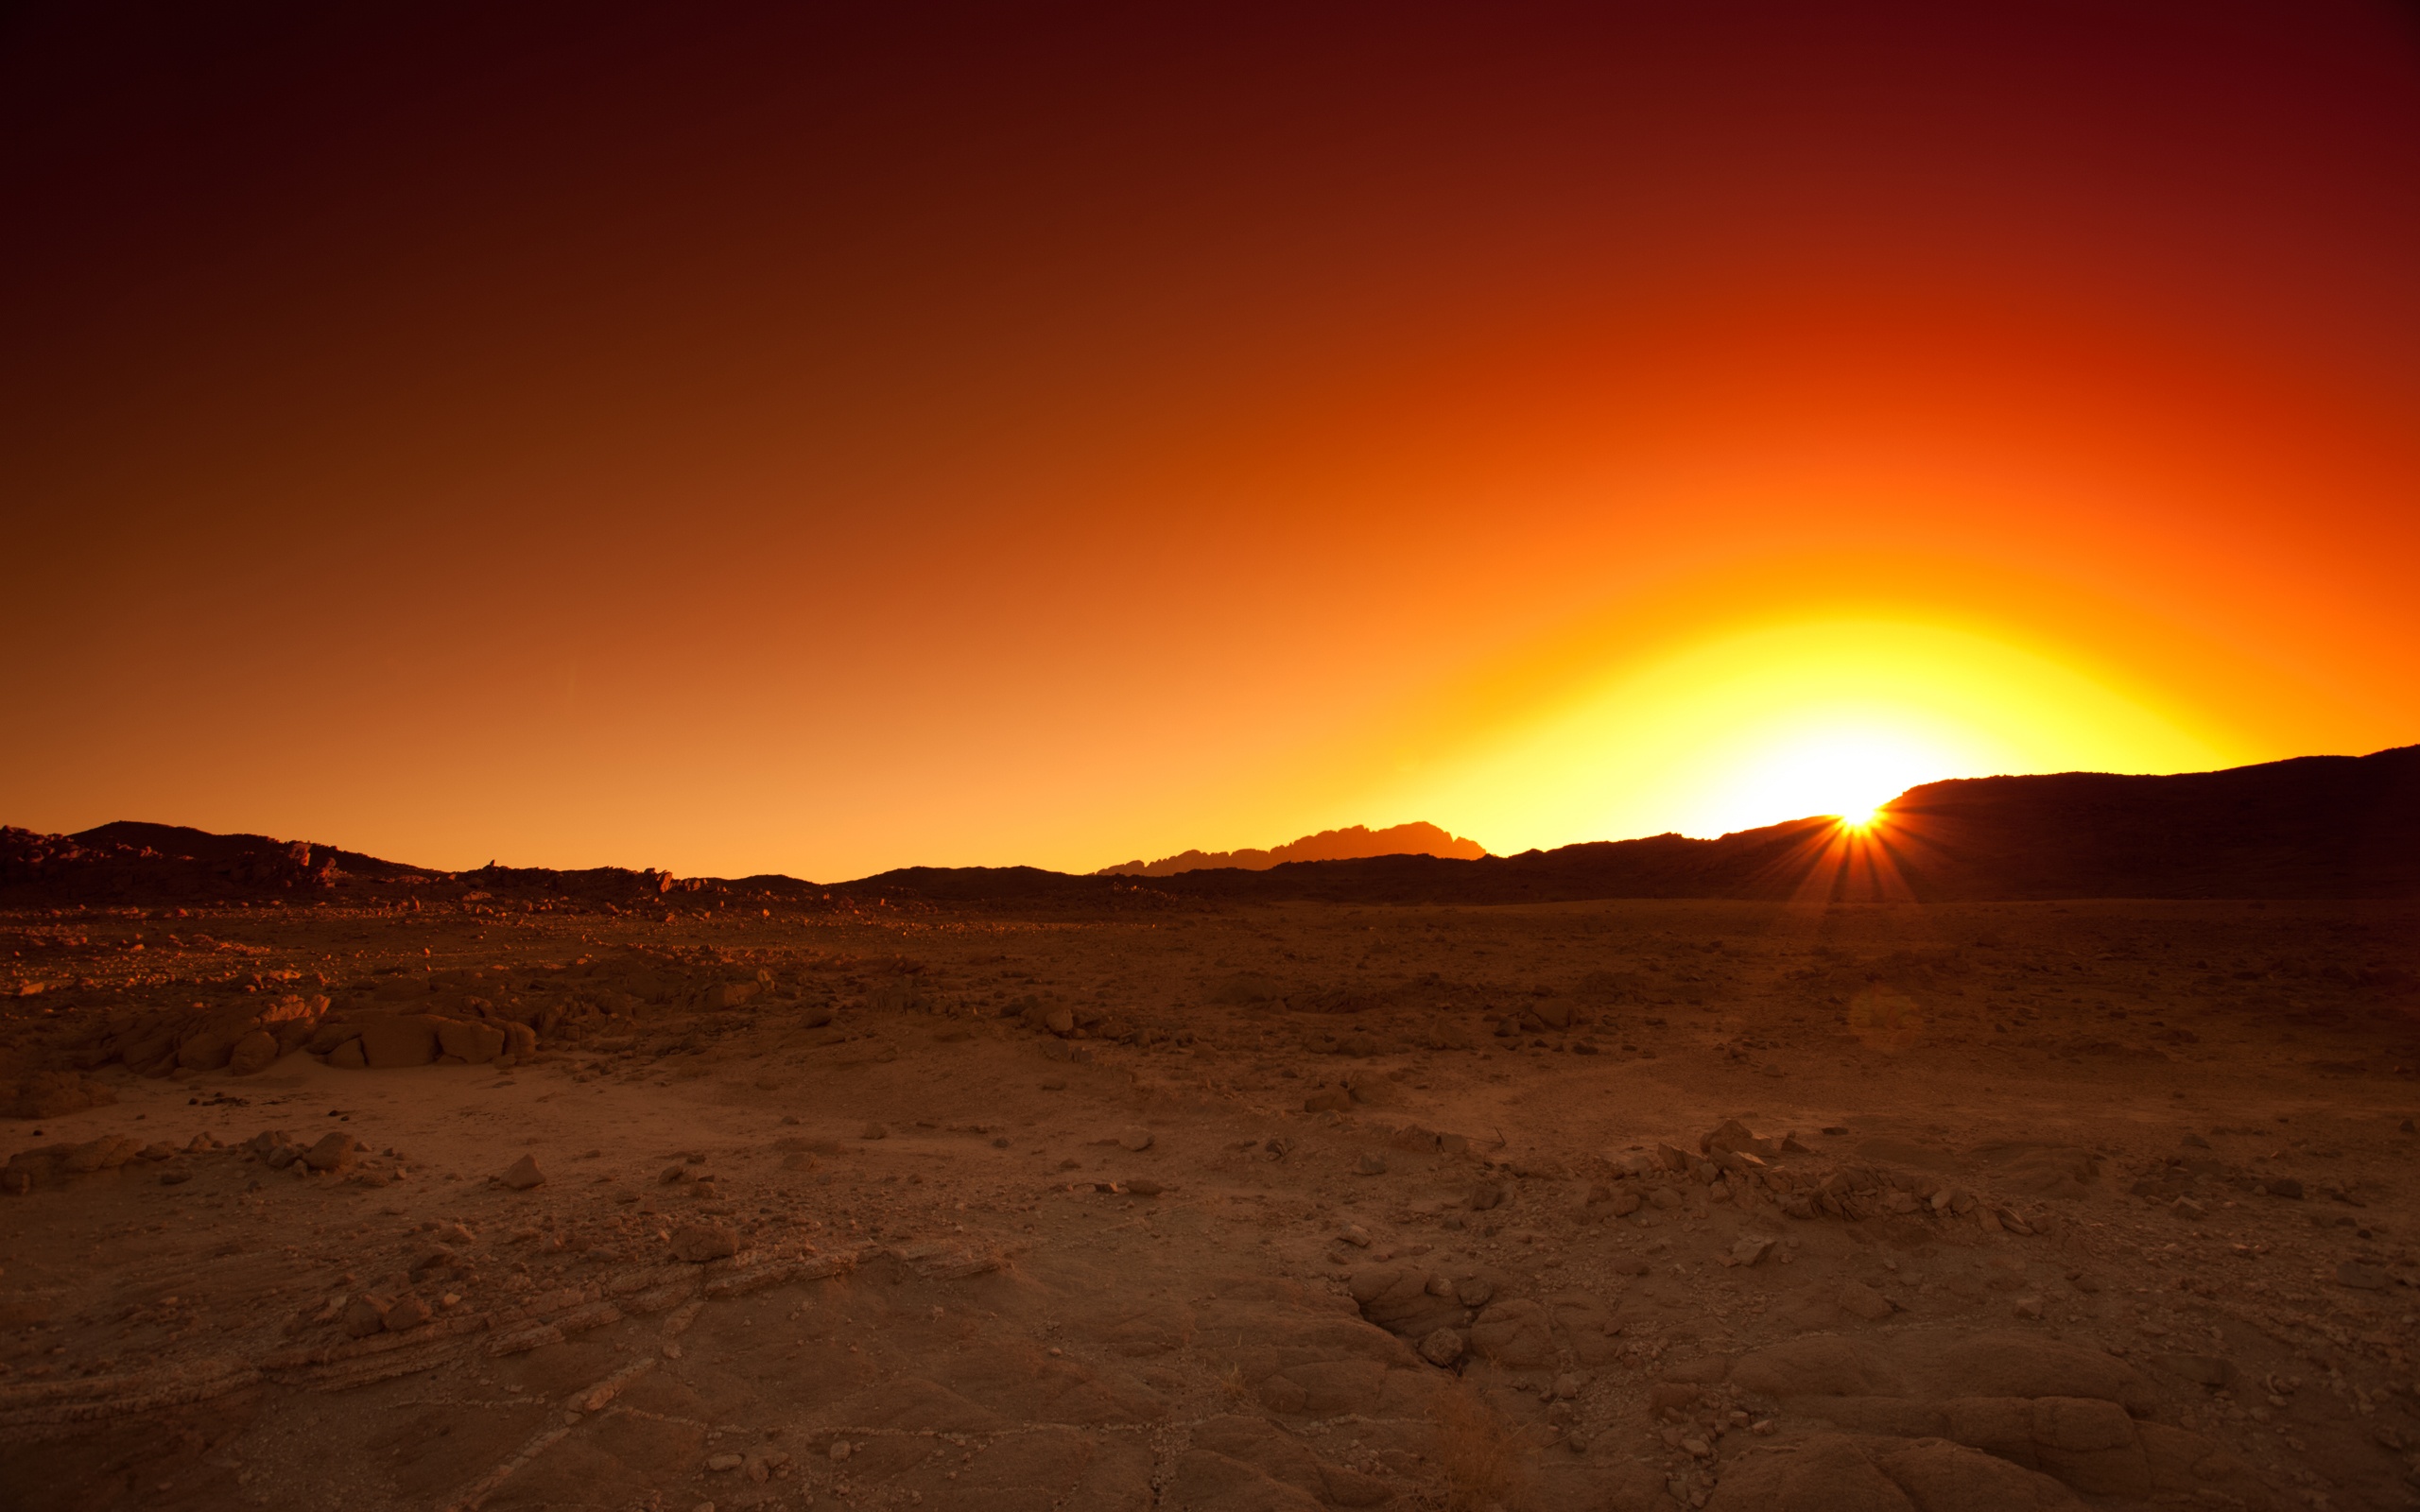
(1569, 1385)
(1136, 1140)
(839, 1448)
(725, 1461)
(2188, 1207)
(699, 1242)
(1371, 1164)
(1144, 1188)
(1474, 1291)
(2284, 1186)
(672, 1174)
(2363, 1278)
(523, 1174)
(2028, 1307)
(1356, 1235)
(1750, 1251)
(873, 1131)
(1442, 1348)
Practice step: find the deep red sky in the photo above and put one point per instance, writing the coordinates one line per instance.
(821, 439)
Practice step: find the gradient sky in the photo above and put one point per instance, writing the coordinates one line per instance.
(823, 439)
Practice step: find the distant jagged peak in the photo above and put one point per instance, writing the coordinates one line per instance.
(1418, 839)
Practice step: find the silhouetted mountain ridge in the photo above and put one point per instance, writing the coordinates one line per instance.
(1352, 843)
(2341, 826)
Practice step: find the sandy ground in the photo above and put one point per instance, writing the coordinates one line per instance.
(2005, 1206)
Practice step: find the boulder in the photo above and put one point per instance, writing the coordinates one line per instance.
(364, 1315)
(1944, 1477)
(106, 1153)
(1402, 1300)
(408, 1312)
(1818, 1364)
(699, 1242)
(255, 1051)
(205, 1051)
(2007, 1364)
(1829, 1472)
(478, 1043)
(327, 1036)
(332, 1153)
(349, 1056)
(394, 1040)
(1516, 1333)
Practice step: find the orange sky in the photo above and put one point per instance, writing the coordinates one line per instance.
(774, 441)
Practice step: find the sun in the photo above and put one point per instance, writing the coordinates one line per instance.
(1847, 769)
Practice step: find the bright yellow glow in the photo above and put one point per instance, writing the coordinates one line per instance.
(1790, 721)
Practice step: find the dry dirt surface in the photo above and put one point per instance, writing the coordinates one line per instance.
(1623, 1205)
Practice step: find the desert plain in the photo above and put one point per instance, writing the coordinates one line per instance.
(1568, 1207)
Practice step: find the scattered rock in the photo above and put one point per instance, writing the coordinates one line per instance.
(522, 1174)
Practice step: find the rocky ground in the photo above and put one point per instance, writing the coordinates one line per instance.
(1584, 1206)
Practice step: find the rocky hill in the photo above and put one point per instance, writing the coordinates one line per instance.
(1352, 843)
